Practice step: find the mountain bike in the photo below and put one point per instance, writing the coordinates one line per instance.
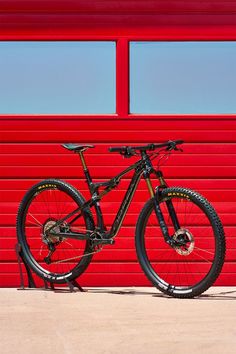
(179, 237)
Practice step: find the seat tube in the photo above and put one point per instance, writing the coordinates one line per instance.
(100, 221)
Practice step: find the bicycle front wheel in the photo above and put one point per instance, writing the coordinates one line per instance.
(54, 258)
(193, 263)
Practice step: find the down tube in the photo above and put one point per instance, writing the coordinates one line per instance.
(125, 204)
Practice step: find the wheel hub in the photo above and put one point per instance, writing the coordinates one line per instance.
(47, 237)
(185, 242)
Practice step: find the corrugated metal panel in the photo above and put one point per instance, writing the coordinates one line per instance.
(122, 6)
(106, 15)
(30, 151)
(30, 146)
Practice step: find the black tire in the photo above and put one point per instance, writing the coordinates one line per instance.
(188, 271)
(43, 204)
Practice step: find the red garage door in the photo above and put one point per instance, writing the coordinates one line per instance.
(114, 73)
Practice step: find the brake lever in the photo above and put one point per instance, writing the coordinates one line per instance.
(128, 152)
(173, 146)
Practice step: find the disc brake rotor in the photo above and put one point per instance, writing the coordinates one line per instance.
(185, 240)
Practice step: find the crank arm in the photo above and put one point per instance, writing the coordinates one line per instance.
(73, 235)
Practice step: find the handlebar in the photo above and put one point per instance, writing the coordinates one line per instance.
(129, 151)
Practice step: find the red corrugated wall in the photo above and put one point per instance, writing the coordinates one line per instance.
(30, 145)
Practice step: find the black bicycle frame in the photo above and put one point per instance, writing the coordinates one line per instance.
(141, 167)
(125, 203)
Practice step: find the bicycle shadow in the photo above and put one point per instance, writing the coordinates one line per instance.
(121, 291)
(221, 295)
(208, 296)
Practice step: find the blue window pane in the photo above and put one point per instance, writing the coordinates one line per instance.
(183, 77)
(57, 77)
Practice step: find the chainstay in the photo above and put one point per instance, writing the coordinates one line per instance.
(77, 257)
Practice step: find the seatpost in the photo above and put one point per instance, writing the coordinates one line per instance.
(86, 171)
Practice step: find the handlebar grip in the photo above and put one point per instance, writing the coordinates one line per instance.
(117, 149)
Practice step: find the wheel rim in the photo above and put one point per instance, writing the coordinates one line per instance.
(43, 210)
(179, 269)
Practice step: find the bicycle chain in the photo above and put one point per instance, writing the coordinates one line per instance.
(76, 257)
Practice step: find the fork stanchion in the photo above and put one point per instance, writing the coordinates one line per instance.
(31, 283)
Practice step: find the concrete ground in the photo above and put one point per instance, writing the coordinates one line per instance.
(116, 320)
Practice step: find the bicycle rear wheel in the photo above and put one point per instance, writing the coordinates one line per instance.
(191, 267)
(43, 205)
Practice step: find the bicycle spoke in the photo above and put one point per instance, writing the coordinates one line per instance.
(54, 254)
(37, 222)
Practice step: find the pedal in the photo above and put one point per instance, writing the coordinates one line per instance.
(48, 260)
(110, 241)
(107, 241)
(104, 241)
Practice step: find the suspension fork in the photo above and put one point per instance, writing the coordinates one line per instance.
(155, 196)
(170, 207)
(160, 216)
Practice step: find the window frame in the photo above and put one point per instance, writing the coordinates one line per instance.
(178, 114)
(65, 114)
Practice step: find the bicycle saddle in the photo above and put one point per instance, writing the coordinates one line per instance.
(77, 148)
